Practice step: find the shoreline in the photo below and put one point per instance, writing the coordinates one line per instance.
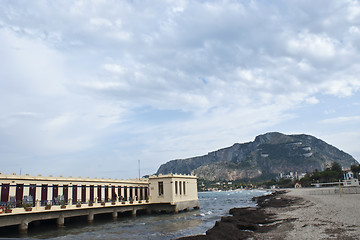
(290, 214)
(244, 222)
(328, 216)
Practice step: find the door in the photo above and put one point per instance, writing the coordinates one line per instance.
(74, 194)
(5, 188)
(136, 193)
(106, 193)
(125, 193)
(44, 191)
(66, 193)
(83, 193)
(146, 193)
(55, 193)
(99, 193)
(113, 193)
(131, 193)
(141, 193)
(119, 193)
(92, 193)
(19, 193)
(32, 192)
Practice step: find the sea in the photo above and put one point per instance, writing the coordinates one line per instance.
(213, 205)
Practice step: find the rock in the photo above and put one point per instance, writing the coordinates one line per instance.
(265, 157)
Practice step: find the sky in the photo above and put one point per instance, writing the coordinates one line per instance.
(89, 88)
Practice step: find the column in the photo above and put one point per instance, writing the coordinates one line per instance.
(114, 214)
(23, 227)
(87, 195)
(37, 204)
(60, 221)
(38, 193)
(91, 217)
(148, 211)
(12, 190)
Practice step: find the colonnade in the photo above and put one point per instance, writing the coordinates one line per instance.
(65, 193)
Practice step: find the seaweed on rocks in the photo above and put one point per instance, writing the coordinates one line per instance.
(243, 222)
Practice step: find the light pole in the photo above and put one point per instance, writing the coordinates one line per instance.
(139, 167)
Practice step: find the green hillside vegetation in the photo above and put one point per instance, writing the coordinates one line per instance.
(332, 174)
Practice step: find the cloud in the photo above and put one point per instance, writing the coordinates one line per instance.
(77, 76)
(314, 45)
(114, 68)
(342, 119)
(100, 22)
(312, 100)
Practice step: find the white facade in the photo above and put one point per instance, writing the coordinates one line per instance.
(172, 188)
(24, 199)
(52, 190)
(39, 191)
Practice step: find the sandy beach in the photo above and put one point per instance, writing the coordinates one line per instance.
(291, 214)
(316, 217)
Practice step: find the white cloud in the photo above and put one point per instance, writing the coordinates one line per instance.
(100, 22)
(342, 119)
(354, 30)
(114, 68)
(314, 45)
(353, 10)
(76, 75)
(312, 100)
(341, 87)
(346, 141)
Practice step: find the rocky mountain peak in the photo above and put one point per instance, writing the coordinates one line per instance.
(268, 155)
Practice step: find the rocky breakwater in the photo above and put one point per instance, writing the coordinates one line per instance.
(245, 222)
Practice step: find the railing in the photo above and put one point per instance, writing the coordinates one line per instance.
(333, 191)
(51, 205)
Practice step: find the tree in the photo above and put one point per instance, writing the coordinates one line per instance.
(336, 167)
(355, 169)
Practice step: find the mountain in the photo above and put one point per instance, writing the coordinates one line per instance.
(265, 157)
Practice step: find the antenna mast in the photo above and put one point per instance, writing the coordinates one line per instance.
(139, 167)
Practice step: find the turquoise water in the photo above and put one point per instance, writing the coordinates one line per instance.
(213, 205)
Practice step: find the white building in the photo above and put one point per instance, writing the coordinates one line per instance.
(31, 198)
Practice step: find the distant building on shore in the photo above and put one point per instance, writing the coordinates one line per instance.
(291, 175)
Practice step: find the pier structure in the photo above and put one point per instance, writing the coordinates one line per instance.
(26, 199)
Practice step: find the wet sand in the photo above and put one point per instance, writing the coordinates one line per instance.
(317, 217)
(294, 214)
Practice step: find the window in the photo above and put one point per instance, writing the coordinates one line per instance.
(161, 188)
(176, 187)
(184, 187)
(180, 187)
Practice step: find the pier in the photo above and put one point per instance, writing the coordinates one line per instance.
(26, 199)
